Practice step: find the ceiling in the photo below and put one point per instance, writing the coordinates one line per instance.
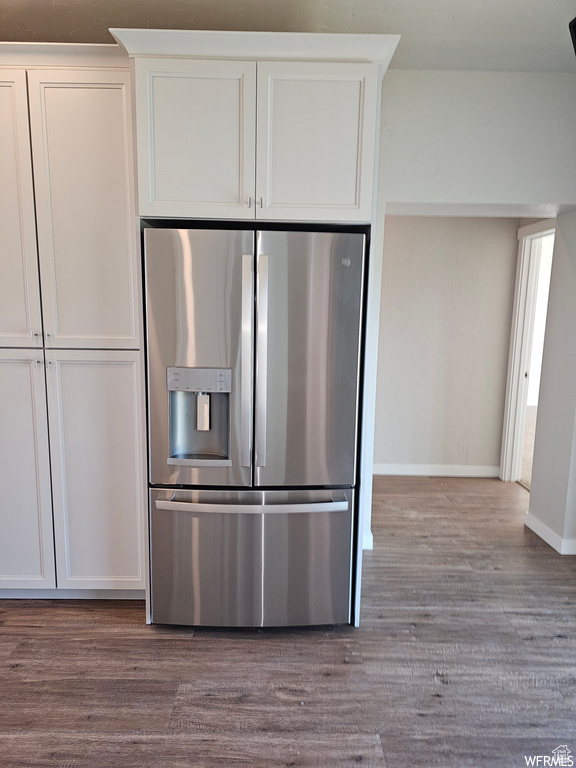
(514, 35)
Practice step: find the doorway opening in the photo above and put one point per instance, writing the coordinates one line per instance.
(536, 244)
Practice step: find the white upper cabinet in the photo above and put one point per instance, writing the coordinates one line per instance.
(196, 136)
(284, 140)
(316, 130)
(87, 238)
(257, 125)
(20, 320)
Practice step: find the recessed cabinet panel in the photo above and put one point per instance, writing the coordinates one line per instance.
(94, 401)
(196, 137)
(80, 125)
(316, 126)
(26, 545)
(20, 322)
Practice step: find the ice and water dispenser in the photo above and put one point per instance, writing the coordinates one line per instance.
(199, 416)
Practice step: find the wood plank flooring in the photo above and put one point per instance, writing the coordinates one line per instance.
(465, 657)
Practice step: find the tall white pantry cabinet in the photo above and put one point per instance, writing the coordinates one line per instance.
(72, 485)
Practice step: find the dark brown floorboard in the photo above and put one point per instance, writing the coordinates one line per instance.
(465, 657)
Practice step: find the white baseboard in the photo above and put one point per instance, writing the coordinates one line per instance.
(563, 546)
(72, 594)
(368, 541)
(437, 470)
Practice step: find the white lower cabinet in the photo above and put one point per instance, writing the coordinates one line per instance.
(97, 469)
(96, 526)
(26, 541)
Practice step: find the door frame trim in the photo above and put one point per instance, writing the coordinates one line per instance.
(523, 313)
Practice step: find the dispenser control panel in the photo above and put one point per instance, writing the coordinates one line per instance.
(199, 379)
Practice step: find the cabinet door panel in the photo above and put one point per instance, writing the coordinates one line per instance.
(196, 137)
(26, 542)
(96, 435)
(20, 322)
(316, 134)
(84, 198)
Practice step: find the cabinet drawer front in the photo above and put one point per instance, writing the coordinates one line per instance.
(270, 562)
(196, 137)
(316, 132)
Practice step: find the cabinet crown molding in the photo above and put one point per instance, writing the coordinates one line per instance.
(31, 55)
(257, 45)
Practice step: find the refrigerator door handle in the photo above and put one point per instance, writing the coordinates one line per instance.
(246, 362)
(254, 509)
(261, 360)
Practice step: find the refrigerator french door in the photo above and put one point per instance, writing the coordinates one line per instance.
(254, 343)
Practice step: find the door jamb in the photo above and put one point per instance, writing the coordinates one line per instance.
(529, 250)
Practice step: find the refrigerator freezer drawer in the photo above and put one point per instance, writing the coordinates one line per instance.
(267, 559)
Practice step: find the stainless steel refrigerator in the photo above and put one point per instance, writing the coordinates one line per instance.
(254, 343)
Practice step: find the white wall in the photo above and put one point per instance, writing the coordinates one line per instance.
(503, 142)
(458, 143)
(446, 307)
(552, 512)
